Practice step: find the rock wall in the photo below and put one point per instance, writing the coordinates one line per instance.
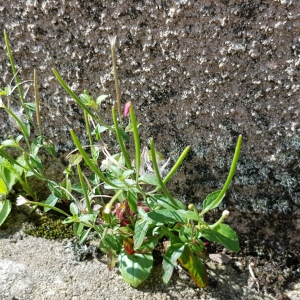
(197, 72)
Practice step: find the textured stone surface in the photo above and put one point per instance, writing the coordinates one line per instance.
(198, 73)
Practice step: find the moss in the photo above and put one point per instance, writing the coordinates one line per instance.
(50, 228)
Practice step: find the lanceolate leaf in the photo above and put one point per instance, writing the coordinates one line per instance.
(224, 235)
(141, 227)
(135, 268)
(165, 216)
(5, 208)
(209, 204)
(194, 266)
(172, 254)
(3, 188)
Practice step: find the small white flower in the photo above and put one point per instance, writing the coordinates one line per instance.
(107, 209)
(225, 213)
(21, 200)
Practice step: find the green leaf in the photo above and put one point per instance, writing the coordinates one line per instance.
(140, 231)
(135, 268)
(54, 188)
(36, 162)
(74, 209)
(36, 145)
(31, 106)
(129, 127)
(10, 143)
(172, 254)
(83, 236)
(77, 228)
(224, 235)
(195, 267)
(208, 202)
(132, 200)
(51, 200)
(188, 214)
(112, 242)
(101, 98)
(150, 179)
(3, 188)
(165, 216)
(98, 130)
(5, 208)
(166, 203)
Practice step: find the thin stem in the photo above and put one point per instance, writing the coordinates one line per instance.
(89, 161)
(161, 183)
(113, 56)
(77, 100)
(120, 140)
(12, 63)
(48, 206)
(86, 197)
(136, 141)
(229, 177)
(37, 102)
(22, 127)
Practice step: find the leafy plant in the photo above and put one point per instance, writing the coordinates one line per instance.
(123, 197)
(22, 161)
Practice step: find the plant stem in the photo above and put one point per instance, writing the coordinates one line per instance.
(113, 56)
(120, 140)
(229, 177)
(86, 197)
(37, 102)
(136, 141)
(13, 67)
(89, 161)
(161, 183)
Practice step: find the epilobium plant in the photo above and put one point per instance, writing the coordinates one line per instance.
(124, 199)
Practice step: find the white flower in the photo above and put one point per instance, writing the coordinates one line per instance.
(21, 200)
(107, 209)
(225, 214)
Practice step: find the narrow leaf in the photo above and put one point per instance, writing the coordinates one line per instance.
(165, 216)
(172, 254)
(194, 266)
(5, 208)
(140, 231)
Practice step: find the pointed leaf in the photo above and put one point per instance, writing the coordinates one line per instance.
(164, 216)
(188, 214)
(172, 254)
(132, 200)
(51, 200)
(194, 266)
(5, 208)
(208, 202)
(3, 188)
(140, 231)
(224, 235)
(150, 179)
(136, 268)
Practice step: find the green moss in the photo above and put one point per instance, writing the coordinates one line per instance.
(49, 228)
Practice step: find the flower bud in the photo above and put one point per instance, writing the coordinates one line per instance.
(225, 214)
(127, 108)
(191, 206)
(21, 200)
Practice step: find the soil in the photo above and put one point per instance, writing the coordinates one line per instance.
(39, 268)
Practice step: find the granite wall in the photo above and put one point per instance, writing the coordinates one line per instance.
(197, 72)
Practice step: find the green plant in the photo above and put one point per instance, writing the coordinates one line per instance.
(123, 197)
(22, 161)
